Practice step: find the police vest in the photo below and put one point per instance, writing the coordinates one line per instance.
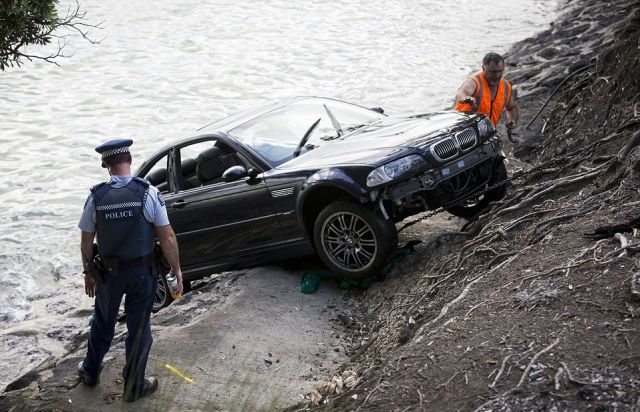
(123, 231)
(486, 105)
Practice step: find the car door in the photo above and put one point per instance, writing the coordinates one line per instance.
(221, 220)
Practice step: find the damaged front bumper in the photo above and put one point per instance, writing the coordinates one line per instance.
(434, 177)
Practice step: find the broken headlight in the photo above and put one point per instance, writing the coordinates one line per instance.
(486, 128)
(396, 169)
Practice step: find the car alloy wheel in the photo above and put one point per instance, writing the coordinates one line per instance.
(354, 240)
(162, 297)
(349, 241)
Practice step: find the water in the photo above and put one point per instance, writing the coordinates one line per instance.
(162, 70)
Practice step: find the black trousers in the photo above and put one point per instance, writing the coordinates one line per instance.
(139, 286)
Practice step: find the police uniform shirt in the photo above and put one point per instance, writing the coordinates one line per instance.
(154, 210)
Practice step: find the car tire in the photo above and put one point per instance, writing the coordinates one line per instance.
(469, 211)
(354, 240)
(162, 297)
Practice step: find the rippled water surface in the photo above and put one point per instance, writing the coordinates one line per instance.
(162, 70)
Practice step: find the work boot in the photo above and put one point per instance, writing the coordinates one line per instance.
(84, 376)
(148, 387)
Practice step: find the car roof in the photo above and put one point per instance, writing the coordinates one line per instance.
(236, 119)
(224, 125)
(227, 123)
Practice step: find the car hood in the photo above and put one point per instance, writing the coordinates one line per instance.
(380, 142)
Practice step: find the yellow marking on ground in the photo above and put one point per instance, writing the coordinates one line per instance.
(177, 372)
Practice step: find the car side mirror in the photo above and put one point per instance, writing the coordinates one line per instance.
(378, 109)
(234, 173)
(252, 173)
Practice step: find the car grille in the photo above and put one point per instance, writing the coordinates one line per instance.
(451, 146)
(466, 139)
(444, 149)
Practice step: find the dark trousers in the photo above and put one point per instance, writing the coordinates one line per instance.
(139, 286)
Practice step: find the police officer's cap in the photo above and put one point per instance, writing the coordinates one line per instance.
(114, 147)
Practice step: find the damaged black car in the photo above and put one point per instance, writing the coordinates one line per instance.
(315, 175)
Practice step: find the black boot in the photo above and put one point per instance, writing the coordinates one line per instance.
(148, 387)
(84, 376)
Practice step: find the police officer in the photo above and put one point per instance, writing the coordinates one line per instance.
(125, 214)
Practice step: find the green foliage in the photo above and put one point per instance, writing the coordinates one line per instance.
(33, 22)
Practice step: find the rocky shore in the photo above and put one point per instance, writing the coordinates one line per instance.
(531, 307)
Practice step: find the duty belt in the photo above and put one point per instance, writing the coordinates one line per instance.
(139, 261)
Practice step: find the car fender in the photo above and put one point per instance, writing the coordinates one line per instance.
(330, 178)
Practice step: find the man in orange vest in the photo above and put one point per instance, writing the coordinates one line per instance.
(488, 93)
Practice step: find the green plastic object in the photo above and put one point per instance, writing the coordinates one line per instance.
(309, 282)
(310, 279)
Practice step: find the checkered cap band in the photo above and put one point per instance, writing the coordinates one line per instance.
(112, 152)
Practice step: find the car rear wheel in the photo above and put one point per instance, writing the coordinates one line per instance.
(472, 207)
(354, 240)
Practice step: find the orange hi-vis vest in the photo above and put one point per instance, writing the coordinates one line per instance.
(492, 108)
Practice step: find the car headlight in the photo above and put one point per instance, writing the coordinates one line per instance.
(486, 128)
(395, 169)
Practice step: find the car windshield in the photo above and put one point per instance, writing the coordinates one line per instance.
(276, 135)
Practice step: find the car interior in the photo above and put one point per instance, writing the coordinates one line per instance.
(158, 178)
(204, 169)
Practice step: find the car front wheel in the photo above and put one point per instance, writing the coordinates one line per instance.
(472, 207)
(353, 240)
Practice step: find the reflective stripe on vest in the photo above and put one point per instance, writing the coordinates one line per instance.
(492, 108)
(123, 231)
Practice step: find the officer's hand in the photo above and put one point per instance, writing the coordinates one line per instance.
(90, 286)
(179, 276)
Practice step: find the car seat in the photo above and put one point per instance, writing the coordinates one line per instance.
(158, 178)
(188, 178)
(210, 166)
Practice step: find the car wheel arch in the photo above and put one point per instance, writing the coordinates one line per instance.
(316, 199)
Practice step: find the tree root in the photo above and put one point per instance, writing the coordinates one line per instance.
(563, 217)
(445, 309)
(558, 184)
(446, 384)
(534, 359)
(369, 394)
(522, 378)
(500, 372)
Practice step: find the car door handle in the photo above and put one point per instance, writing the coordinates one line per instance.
(179, 204)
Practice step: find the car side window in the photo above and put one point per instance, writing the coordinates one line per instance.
(204, 163)
(158, 175)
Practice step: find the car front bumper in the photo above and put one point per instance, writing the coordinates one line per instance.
(430, 179)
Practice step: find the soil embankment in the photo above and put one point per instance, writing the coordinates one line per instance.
(531, 307)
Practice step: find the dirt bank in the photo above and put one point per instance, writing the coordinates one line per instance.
(530, 307)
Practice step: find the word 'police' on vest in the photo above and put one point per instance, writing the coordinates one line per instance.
(123, 214)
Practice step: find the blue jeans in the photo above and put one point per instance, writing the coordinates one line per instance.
(139, 286)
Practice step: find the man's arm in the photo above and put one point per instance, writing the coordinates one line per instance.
(513, 115)
(465, 93)
(86, 249)
(169, 246)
